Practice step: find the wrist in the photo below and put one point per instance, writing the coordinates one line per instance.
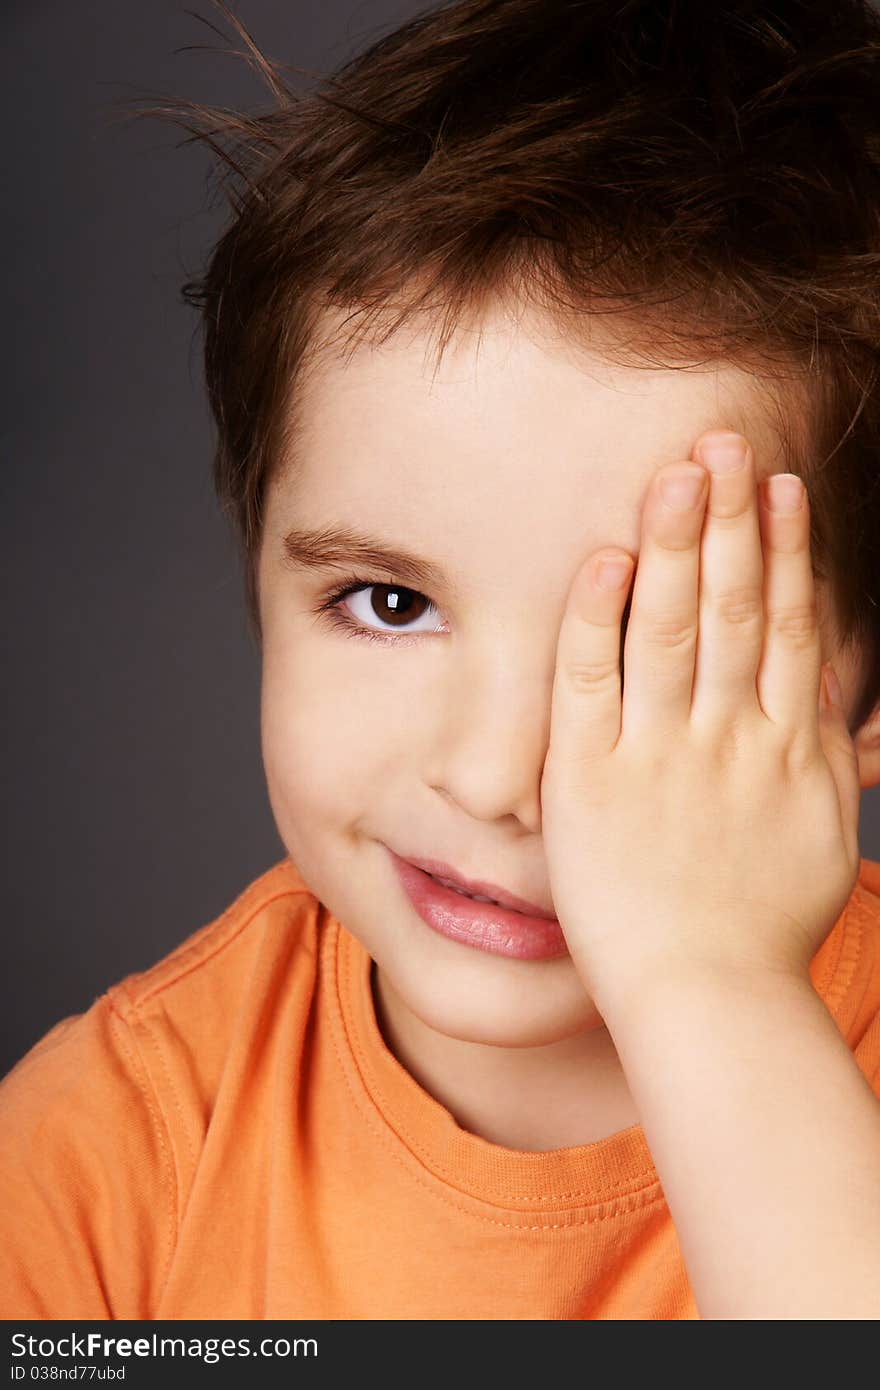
(670, 986)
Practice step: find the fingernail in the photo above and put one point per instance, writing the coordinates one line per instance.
(784, 492)
(682, 491)
(612, 573)
(724, 453)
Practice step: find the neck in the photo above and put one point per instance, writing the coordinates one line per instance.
(531, 1099)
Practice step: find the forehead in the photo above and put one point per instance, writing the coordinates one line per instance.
(518, 431)
(498, 386)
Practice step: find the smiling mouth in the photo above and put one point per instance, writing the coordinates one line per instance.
(445, 876)
(491, 925)
(474, 897)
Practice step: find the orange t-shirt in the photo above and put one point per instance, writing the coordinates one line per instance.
(226, 1135)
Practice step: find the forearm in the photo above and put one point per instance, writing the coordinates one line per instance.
(766, 1139)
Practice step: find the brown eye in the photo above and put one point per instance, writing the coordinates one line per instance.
(391, 603)
(384, 610)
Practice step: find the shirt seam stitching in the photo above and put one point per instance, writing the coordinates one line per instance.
(442, 1174)
(145, 1085)
(136, 1002)
(623, 1204)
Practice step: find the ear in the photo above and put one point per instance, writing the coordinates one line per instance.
(867, 746)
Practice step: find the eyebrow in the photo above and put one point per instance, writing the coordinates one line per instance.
(342, 547)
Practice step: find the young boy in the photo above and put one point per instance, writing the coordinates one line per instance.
(642, 1080)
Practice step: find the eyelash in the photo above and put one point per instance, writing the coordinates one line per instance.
(332, 614)
(329, 610)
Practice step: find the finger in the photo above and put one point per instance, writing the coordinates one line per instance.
(661, 639)
(788, 675)
(841, 756)
(731, 601)
(585, 719)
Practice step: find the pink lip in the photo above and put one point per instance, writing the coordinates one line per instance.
(486, 890)
(500, 930)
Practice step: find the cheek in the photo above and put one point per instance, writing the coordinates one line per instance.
(305, 749)
(322, 749)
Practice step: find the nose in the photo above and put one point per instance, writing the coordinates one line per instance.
(490, 742)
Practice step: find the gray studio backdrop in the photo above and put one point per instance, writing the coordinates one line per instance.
(136, 807)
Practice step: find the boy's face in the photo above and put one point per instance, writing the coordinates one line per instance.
(505, 471)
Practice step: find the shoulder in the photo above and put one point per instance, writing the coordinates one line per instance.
(192, 1000)
(200, 987)
(213, 1000)
(101, 1121)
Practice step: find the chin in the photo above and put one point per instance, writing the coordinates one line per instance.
(518, 1008)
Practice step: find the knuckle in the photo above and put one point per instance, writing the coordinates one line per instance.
(800, 755)
(589, 676)
(796, 624)
(738, 606)
(669, 539)
(671, 632)
(728, 513)
(593, 624)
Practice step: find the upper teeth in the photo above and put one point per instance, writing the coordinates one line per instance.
(477, 897)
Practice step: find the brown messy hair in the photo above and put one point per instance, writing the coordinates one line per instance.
(704, 177)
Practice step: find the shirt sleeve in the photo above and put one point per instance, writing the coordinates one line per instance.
(867, 1054)
(87, 1189)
